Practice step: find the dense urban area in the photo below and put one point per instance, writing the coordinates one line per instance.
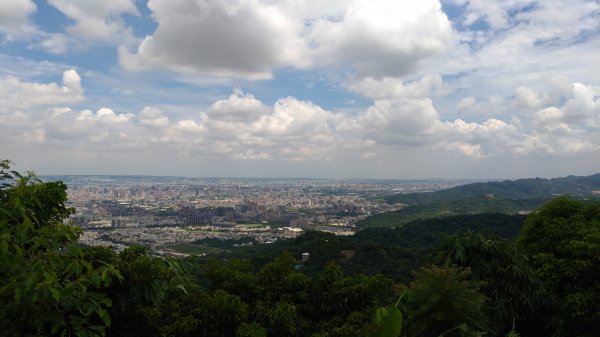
(161, 212)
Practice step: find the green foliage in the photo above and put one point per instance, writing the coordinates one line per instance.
(507, 279)
(193, 249)
(391, 252)
(333, 294)
(274, 278)
(281, 319)
(234, 276)
(445, 301)
(323, 247)
(287, 303)
(513, 332)
(146, 281)
(541, 189)
(49, 285)
(562, 240)
(508, 197)
(251, 330)
(467, 206)
(428, 232)
(195, 313)
(388, 321)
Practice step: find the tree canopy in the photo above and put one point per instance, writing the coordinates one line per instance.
(562, 240)
(50, 286)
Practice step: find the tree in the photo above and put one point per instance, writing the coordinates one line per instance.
(278, 279)
(281, 319)
(146, 281)
(562, 239)
(388, 321)
(196, 312)
(445, 301)
(505, 275)
(234, 276)
(251, 330)
(48, 284)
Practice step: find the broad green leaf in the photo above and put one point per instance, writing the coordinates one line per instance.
(392, 325)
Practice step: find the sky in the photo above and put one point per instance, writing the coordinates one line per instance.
(301, 88)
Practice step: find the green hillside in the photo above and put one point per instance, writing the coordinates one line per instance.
(507, 197)
(535, 188)
(388, 251)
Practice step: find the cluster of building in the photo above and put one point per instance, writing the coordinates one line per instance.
(158, 211)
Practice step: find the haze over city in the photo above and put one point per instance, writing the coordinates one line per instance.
(332, 89)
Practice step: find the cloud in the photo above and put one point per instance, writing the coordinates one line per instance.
(241, 127)
(291, 118)
(580, 110)
(14, 17)
(491, 12)
(404, 116)
(244, 39)
(252, 155)
(95, 19)
(72, 82)
(153, 117)
(54, 43)
(383, 38)
(239, 107)
(15, 94)
(189, 125)
(467, 149)
(292, 129)
(37, 136)
(504, 82)
(466, 103)
(104, 116)
(288, 130)
(492, 137)
(529, 99)
(401, 122)
(539, 43)
(250, 38)
(386, 88)
(414, 123)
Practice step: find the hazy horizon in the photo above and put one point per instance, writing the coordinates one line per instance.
(332, 89)
(299, 177)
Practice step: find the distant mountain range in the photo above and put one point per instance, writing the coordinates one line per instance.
(508, 197)
(535, 188)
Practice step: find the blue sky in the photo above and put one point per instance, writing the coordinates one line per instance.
(330, 88)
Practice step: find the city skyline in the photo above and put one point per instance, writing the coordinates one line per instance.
(332, 89)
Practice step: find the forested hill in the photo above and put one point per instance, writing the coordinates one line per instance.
(393, 252)
(536, 188)
(507, 197)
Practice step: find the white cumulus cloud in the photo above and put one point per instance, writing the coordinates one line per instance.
(14, 17)
(95, 19)
(242, 38)
(15, 94)
(250, 38)
(383, 37)
(153, 117)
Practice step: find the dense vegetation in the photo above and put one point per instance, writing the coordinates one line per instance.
(393, 252)
(507, 197)
(506, 190)
(476, 279)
